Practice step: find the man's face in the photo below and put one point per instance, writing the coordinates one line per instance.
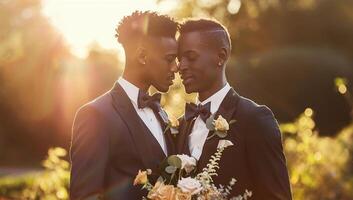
(197, 62)
(161, 62)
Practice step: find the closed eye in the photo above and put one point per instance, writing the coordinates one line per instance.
(170, 58)
(191, 55)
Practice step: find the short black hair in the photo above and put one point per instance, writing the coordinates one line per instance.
(209, 27)
(141, 24)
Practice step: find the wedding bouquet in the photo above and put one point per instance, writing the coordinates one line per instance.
(177, 182)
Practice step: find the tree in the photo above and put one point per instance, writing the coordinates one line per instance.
(287, 53)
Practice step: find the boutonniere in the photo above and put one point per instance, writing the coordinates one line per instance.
(172, 125)
(218, 127)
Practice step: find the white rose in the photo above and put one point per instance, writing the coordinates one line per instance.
(221, 124)
(224, 144)
(189, 185)
(188, 163)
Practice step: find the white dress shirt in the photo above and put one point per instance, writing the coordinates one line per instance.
(146, 114)
(199, 132)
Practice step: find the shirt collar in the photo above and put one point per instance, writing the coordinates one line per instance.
(217, 98)
(131, 90)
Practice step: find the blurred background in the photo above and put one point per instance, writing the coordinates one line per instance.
(295, 56)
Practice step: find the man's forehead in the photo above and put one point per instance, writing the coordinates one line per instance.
(191, 39)
(202, 38)
(167, 43)
(161, 39)
(168, 40)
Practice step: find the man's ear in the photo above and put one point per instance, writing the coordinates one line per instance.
(141, 55)
(223, 55)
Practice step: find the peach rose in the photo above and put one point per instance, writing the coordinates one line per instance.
(180, 195)
(141, 178)
(213, 194)
(161, 192)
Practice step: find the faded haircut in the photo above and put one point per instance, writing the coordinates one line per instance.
(211, 30)
(140, 25)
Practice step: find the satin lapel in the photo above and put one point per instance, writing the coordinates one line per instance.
(181, 136)
(124, 107)
(227, 110)
(162, 117)
(170, 141)
(228, 105)
(185, 131)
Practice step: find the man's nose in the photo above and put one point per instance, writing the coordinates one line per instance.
(182, 65)
(174, 67)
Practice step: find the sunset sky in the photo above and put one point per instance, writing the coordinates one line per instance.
(83, 22)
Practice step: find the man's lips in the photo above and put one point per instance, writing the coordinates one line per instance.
(170, 79)
(187, 78)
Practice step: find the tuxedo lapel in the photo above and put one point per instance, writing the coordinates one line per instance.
(163, 120)
(185, 130)
(170, 142)
(162, 117)
(138, 130)
(226, 110)
(228, 105)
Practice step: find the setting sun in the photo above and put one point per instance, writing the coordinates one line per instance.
(84, 22)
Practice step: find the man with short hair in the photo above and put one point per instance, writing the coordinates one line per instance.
(256, 160)
(122, 131)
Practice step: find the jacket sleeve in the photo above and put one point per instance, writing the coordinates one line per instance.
(265, 156)
(89, 154)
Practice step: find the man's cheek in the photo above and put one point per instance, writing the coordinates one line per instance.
(201, 71)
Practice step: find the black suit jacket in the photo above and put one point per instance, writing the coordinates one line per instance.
(256, 160)
(110, 143)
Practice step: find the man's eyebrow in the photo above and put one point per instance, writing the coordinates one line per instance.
(189, 51)
(171, 54)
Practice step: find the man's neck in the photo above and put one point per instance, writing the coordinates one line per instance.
(136, 80)
(206, 94)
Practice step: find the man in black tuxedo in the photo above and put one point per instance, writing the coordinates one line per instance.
(256, 160)
(122, 131)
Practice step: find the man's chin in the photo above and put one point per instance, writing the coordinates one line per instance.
(163, 89)
(189, 89)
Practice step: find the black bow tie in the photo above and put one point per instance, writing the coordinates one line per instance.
(193, 110)
(144, 100)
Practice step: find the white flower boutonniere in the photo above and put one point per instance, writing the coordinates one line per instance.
(221, 124)
(219, 127)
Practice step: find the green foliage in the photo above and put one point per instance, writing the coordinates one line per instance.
(41, 82)
(174, 161)
(317, 165)
(12, 186)
(51, 183)
(285, 53)
(35, 62)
